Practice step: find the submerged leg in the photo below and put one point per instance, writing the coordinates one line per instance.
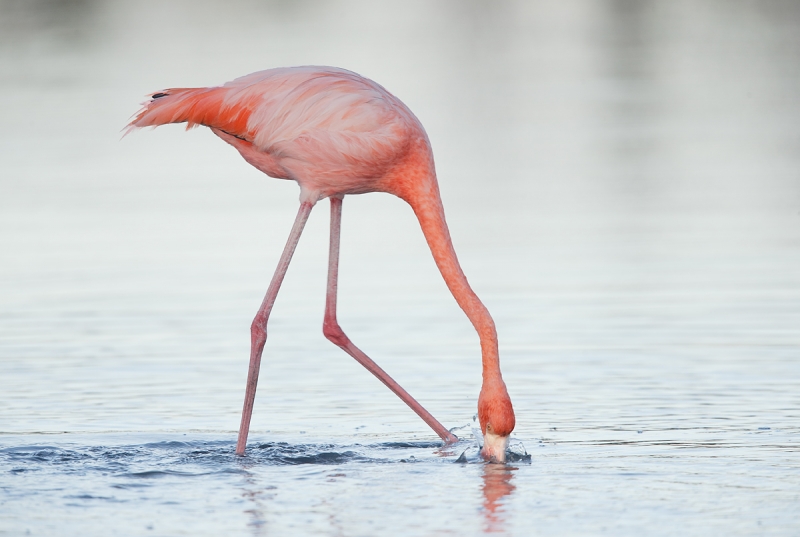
(333, 331)
(258, 330)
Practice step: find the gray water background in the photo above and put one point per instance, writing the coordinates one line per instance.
(622, 182)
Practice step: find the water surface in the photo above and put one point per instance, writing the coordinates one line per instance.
(621, 182)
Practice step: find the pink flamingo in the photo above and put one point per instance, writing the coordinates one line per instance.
(337, 133)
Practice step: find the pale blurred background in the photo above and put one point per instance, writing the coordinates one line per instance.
(621, 179)
(616, 174)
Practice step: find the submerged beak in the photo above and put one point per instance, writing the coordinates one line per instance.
(494, 447)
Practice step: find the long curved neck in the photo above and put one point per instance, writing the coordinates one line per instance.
(427, 205)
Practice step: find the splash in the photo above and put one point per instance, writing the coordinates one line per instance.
(470, 436)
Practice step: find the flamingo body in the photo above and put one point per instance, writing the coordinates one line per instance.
(337, 133)
(332, 131)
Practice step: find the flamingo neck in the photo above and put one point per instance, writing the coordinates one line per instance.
(415, 182)
(427, 205)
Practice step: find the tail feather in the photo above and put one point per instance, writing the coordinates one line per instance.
(195, 106)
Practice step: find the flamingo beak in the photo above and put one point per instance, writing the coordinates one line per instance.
(494, 447)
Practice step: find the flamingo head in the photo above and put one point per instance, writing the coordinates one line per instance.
(496, 416)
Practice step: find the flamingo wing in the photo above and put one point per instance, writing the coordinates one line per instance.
(320, 122)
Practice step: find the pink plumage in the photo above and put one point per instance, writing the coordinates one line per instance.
(330, 130)
(337, 133)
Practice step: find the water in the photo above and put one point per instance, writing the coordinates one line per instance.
(621, 181)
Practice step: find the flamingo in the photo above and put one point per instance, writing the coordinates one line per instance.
(337, 133)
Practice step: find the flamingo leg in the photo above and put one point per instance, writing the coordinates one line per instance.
(334, 333)
(258, 330)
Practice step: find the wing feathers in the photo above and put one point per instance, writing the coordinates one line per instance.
(197, 106)
(323, 121)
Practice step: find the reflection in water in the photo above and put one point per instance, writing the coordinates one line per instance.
(255, 494)
(496, 486)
